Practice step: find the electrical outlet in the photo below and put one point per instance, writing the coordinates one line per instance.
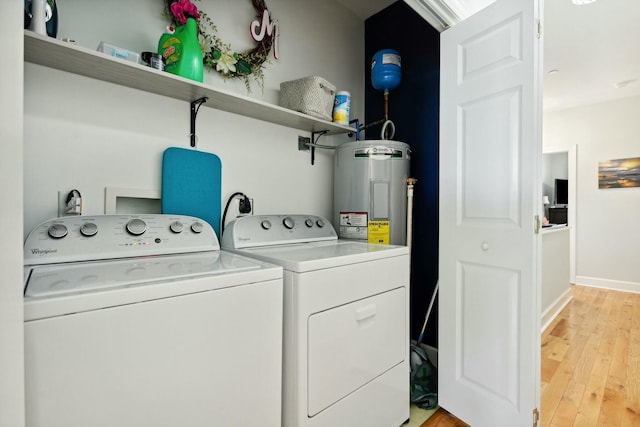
(62, 204)
(237, 208)
(302, 143)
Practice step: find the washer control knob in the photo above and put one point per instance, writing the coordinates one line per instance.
(266, 224)
(320, 223)
(57, 231)
(197, 227)
(136, 227)
(88, 229)
(308, 223)
(176, 227)
(288, 223)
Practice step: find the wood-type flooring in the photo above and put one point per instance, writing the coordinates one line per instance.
(591, 361)
(443, 419)
(590, 364)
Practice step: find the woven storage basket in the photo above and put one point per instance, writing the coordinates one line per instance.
(310, 95)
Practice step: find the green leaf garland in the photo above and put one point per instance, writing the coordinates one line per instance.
(220, 57)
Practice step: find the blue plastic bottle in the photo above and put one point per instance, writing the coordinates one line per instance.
(181, 51)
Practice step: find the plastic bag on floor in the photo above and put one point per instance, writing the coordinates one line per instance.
(424, 379)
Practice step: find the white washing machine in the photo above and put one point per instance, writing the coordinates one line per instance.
(346, 320)
(141, 321)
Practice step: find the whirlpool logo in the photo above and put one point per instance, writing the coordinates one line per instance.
(41, 252)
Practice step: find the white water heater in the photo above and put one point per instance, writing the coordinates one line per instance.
(370, 191)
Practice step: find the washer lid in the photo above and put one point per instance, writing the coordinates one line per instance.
(311, 256)
(73, 278)
(53, 290)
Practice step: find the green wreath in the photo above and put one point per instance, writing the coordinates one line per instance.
(220, 57)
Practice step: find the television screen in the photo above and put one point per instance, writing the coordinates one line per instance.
(562, 192)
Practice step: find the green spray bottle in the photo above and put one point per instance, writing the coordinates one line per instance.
(181, 51)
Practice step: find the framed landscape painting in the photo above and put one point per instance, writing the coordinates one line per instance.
(620, 173)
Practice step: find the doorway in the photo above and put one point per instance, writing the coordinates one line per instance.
(551, 155)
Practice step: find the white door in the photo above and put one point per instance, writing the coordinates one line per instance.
(490, 149)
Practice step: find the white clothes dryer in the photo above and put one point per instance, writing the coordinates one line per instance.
(141, 321)
(346, 320)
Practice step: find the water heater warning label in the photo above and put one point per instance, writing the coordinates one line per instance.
(353, 225)
(379, 232)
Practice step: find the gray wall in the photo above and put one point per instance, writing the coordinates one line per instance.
(87, 134)
(607, 226)
(11, 325)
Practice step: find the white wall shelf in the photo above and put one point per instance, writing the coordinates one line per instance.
(64, 56)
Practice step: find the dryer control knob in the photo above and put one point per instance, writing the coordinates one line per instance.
(176, 227)
(308, 223)
(320, 223)
(266, 224)
(136, 227)
(197, 227)
(57, 231)
(89, 229)
(288, 223)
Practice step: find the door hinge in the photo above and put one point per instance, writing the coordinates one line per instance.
(539, 28)
(536, 417)
(536, 225)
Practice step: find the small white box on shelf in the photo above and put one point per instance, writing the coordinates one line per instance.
(118, 52)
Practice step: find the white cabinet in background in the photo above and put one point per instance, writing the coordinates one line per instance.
(555, 286)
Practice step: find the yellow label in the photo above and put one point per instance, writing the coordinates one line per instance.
(340, 116)
(379, 232)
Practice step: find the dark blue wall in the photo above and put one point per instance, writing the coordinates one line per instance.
(414, 109)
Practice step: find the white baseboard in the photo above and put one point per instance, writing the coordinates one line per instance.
(616, 285)
(554, 309)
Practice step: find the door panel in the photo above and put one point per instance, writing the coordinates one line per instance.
(487, 327)
(490, 193)
(498, 46)
(489, 190)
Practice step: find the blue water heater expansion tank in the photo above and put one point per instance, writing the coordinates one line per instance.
(385, 70)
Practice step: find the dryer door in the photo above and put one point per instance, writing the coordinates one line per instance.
(352, 344)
